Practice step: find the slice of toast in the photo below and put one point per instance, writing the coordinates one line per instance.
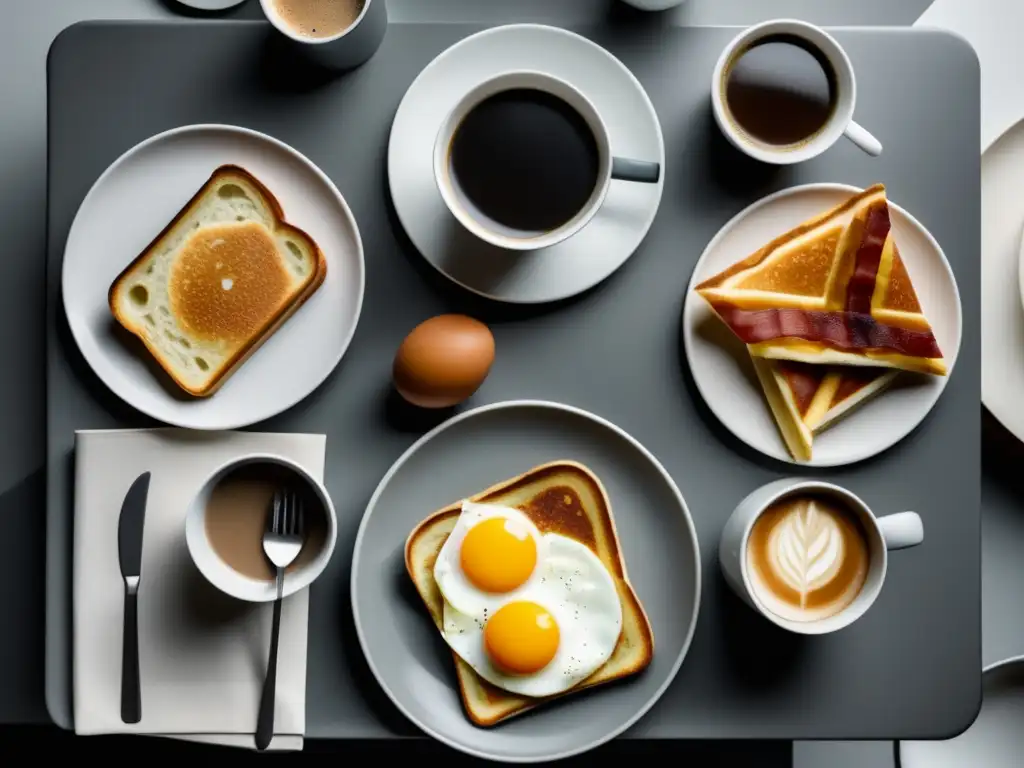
(560, 497)
(806, 399)
(833, 290)
(219, 279)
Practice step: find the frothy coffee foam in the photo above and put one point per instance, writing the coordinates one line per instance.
(807, 558)
(319, 18)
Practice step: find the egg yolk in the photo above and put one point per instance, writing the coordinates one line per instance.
(496, 557)
(521, 638)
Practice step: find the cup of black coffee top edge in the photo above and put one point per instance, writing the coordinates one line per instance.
(784, 91)
(524, 161)
(226, 520)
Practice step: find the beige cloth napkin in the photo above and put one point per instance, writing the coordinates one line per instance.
(202, 655)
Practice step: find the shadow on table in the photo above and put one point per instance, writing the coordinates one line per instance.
(44, 741)
(774, 658)
(23, 553)
(1002, 456)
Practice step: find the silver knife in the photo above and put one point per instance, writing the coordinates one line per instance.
(129, 553)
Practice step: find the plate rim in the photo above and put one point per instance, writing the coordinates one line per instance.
(474, 38)
(206, 5)
(988, 401)
(424, 440)
(277, 144)
(728, 227)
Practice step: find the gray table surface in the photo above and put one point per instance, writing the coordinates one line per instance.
(742, 678)
(29, 28)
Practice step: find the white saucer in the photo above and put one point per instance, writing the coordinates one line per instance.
(1002, 319)
(134, 199)
(211, 5)
(721, 366)
(552, 273)
(995, 740)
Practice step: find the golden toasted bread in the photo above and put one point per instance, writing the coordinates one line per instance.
(832, 290)
(220, 278)
(806, 399)
(561, 497)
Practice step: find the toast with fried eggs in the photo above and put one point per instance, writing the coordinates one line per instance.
(565, 498)
(217, 282)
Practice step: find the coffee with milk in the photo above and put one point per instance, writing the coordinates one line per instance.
(807, 557)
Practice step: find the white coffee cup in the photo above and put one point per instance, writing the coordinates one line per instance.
(223, 576)
(609, 167)
(897, 531)
(347, 49)
(840, 123)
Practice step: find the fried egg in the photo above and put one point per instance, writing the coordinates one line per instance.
(531, 613)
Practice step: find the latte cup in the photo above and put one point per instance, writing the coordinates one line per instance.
(609, 167)
(840, 122)
(348, 48)
(230, 580)
(891, 532)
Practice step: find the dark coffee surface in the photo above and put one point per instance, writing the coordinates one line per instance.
(780, 91)
(523, 162)
(237, 514)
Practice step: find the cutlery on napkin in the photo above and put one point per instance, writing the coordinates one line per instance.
(202, 654)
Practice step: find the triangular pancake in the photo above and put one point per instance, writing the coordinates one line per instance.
(806, 399)
(832, 290)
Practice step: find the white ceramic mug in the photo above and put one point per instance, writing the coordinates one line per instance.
(347, 49)
(609, 167)
(839, 124)
(223, 576)
(898, 531)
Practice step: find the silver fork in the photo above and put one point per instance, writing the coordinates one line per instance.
(282, 542)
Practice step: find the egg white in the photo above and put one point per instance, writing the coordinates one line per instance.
(452, 582)
(573, 585)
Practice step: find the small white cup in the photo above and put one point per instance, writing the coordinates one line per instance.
(840, 123)
(609, 167)
(897, 531)
(351, 47)
(223, 576)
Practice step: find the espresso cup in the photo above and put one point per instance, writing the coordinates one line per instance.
(348, 47)
(843, 97)
(880, 534)
(606, 166)
(208, 544)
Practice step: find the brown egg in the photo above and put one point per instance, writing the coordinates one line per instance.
(443, 361)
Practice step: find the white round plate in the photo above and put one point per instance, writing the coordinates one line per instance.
(995, 740)
(133, 200)
(473, 451)
(211, 5)
(548, 274)
(721, 366)
(1002, 318)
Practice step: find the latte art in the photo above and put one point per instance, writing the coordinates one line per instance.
(806, 549)
(807, 558)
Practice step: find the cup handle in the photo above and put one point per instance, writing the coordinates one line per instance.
(902, 530)
(642, 171)
(863, 139)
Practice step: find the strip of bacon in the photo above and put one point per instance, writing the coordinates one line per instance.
(839, 330)
(861, 285)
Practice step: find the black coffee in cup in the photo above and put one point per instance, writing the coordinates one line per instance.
(780, 91)
(523, 162)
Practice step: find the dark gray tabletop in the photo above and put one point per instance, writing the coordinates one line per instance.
(26, 41)
(911, 667)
